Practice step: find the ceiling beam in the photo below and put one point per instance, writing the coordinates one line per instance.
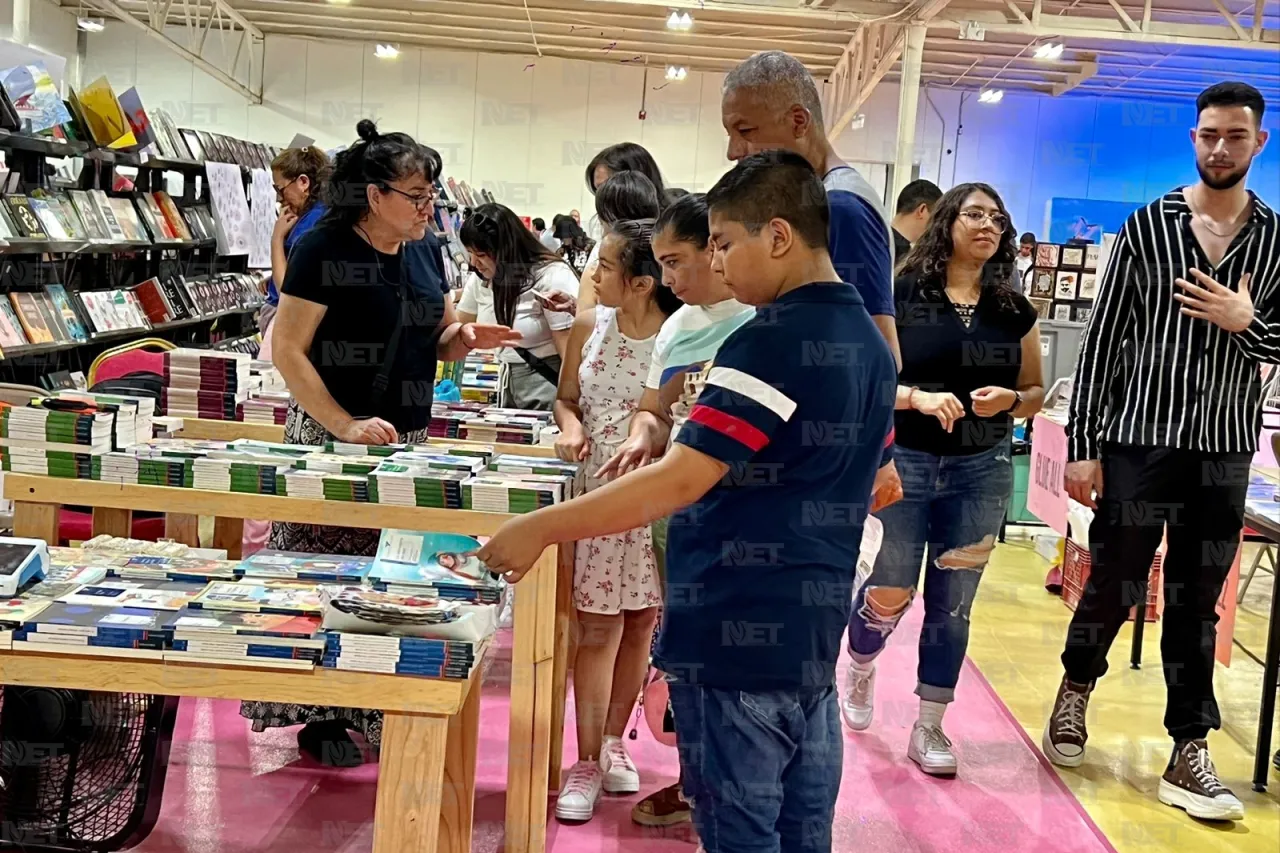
(224, 76)
(1231, 20)
(1257, 19)
(1128, 22)
(850, 11)
(1075, 80)
(1110, 29)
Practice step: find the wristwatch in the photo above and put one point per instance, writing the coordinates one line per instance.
(1017, 401)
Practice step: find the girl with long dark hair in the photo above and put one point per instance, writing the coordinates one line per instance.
(616, 589)
(970, 364)
(512, 275)
(363, 320)
(625, 196)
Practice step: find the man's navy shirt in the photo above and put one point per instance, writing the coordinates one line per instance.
(799, 405)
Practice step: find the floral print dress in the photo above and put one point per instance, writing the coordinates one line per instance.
(616, 572)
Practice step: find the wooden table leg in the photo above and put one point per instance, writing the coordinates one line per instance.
(182, 528)
(408, 812)
(112, 522)
(520, 730)
(460, 776)
(563, 655)
(36, 521)
(228, 534)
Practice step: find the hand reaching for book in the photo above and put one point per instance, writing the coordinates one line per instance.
(367, 431)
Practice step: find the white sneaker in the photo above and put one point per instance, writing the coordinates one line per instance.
(858, 707)
(931, 749)
(620, 774)
(577, 800)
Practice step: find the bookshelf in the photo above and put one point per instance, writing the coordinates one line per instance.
(92, 260)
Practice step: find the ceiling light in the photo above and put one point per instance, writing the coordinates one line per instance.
(91, 25)
(1049, 50)
(680, 21)
(991, 96)
(386, 51)
(677, 72)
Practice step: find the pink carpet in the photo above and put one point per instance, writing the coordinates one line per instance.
(231, 791)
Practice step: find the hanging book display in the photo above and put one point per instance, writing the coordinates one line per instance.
(262, 207)
(230, 207)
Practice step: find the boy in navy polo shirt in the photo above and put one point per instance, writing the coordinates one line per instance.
(768, 482)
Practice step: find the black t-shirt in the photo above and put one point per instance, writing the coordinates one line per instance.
(941, 354)
(901, 245)
(361, 288)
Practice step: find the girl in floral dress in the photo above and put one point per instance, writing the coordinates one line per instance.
(616, 588)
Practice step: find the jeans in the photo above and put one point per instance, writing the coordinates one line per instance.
(1197, 500)
(762, 769)
(952, 506)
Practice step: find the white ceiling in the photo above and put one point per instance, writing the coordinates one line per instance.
(816, 31)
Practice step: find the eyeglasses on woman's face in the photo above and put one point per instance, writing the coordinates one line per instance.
(976, 217)
(280, 188)
(421, 201)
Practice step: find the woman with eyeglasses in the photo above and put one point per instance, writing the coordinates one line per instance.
(363, 320)
(970, 365)
(513, 278)
(299, 176)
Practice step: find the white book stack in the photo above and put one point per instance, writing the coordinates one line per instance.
(135, 416)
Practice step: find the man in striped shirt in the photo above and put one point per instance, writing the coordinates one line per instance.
(1164, 422)
(768, 479)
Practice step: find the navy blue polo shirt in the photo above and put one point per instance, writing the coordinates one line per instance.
(799, 404)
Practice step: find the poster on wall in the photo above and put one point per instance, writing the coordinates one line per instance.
(1085, 219)
(230, 208)
(262, 215)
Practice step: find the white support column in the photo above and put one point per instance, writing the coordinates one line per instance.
(22, 21)
(908, 100)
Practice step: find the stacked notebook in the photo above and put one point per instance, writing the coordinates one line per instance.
(110, 631)
(418, 656)
(495, 491)
(251, 639)
(433, 564)
(202, 383)
(292, 565)
(401, 485)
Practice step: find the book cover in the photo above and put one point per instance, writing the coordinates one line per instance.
(153, 219)
(107, 122)
(26, 220)
(428, 559)
(79, 620)
(191, 621)
(33, 324)
(270, 563)
(35, 96)
(52, 318)
(94, 224)
(146, 595)
(16, 611)
(127, 217)
(102, 205)
(11, 334)
(172, 215)
(48, 220)
(265, 596)
(70, 319)
(152, 301)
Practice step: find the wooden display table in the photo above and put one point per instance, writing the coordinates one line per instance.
(203, 429)
(542, 622)
(427, 773)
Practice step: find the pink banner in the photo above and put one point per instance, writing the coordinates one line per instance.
(1046, 494)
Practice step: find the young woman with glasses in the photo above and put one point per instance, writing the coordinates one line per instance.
(363, 320)
(970, 364)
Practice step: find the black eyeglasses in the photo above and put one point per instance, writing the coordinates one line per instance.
(280, 190)
(421, 202)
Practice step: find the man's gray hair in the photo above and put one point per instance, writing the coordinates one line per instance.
(778, 78)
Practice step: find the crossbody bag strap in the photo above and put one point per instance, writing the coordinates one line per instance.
(539, 366)
(383, 378)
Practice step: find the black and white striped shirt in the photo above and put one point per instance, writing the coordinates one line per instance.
(1146, 374)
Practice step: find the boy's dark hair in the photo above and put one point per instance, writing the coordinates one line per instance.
(1027, 237)
(917, 193)
(686, 219)
(627, 195)
(774, 185)
(539, 223)
(625, 157)
(378, 159)
(1232, 93)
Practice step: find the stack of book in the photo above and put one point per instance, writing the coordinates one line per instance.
(110, 631)
(480, 375)
(201, 570)
(266, 407)
(260, 595)
(144, 593)
(402, 485)
(59, 438)
(495, 491)
(447, 419)
(508, 426)
(206, 384)
(135, 467)
(16, 612)
(440, 565)
(417, 656)
(240, 638)
(317, 568)
(134, 416)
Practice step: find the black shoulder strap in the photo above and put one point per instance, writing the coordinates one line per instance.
(539, 366)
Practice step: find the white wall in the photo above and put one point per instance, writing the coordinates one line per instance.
(53, 30)
(522, 127)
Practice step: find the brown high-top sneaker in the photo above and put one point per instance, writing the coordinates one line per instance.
(1192, 783)
(1065, 734)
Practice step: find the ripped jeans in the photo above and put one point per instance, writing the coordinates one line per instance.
(954, 505)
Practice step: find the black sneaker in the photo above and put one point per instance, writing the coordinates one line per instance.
(1065, 733)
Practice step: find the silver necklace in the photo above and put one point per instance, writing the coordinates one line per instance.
(1207, 223)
